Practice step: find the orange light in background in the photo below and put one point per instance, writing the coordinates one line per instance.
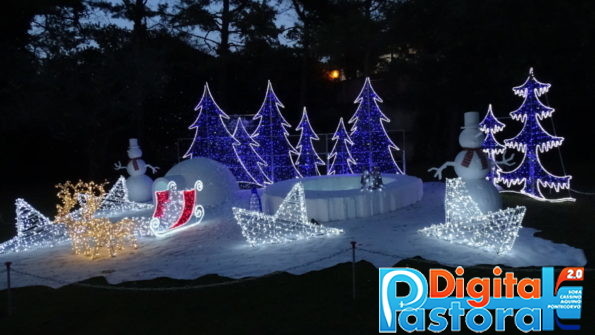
(334, 74)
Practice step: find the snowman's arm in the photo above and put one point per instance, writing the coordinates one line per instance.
(118, 166)
(438, 173)
(506, 161)
(153, 168)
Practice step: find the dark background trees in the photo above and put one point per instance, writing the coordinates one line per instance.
(79, 77)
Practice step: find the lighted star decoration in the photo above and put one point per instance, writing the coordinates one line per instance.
(465, 224)
(90, 235)
(34, 230)
(116, 202)
(290, 222)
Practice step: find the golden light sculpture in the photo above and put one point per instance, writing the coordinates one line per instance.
(91, 235)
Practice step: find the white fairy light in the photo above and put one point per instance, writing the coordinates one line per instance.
(466, 224)
(176, 210)
(34, 230)
(290, 222)
(117, 201)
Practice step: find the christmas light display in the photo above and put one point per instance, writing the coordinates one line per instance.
(255, 202)
(89, 234)
(308, 160)
(176, 210)
(289, 223)
(466, 224)
(34, 230)
(340, 156)
(271, 136)
(490, 126)
(117, 201)
(213, 140)
(533, 140)
(372, 147)
(246, 150)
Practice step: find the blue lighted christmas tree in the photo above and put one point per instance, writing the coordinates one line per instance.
(246, 150)
(308, 160)
(533, 140)
(213, 140)
(490, 126)
(340, 156)
(271, 136)
(372, 147)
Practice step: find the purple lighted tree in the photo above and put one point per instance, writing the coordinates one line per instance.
(533, 140)
(213, 140)
(372, 147)
(490, 125)
(246, 150)
(308, 160)
(271, 136)
(340, 156)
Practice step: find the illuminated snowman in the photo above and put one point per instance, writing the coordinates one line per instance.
(472, 165)
(139, 185)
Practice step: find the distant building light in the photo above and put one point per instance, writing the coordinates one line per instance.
(334, 74)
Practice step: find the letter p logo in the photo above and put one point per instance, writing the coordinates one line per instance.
(390, 301)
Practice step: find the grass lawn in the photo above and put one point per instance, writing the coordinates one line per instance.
(318, 302)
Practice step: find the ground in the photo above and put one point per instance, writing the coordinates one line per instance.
(313, 302)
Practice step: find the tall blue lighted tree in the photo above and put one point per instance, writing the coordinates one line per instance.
(271, 136)
(308, 160)
(533, 140)
(340, 156)
(213, 140)
(372, 147)
(490, 126)
(245, 149)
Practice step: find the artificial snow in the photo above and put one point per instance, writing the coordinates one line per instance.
(216, 246)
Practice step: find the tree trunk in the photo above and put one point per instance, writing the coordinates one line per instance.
(305, 63)
(139, 34)
(223, 51)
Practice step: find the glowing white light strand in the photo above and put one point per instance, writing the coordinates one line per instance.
(290, 222)
(532, 140)
(340, 156)
(116, 201)
(490, 126)
(465, 224)
(308, 160)
(34, 231)
(272, 126)
(372, 144)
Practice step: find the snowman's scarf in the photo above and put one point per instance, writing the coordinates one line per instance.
(469, 156)
(135, 163)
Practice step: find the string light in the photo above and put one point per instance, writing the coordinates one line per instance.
(290, 222)
(490, 126)
(466, 224)
(308, 160)
(176, 210)
(245, 149)
(213, 140)
(117, 201)
(90, 235)
(340, 156)
(34, 231)
(271, 135)
(533, 140)
(372, 147)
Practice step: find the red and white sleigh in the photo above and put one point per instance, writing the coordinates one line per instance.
(176, 210)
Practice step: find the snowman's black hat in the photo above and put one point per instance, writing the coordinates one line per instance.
(471, 120)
